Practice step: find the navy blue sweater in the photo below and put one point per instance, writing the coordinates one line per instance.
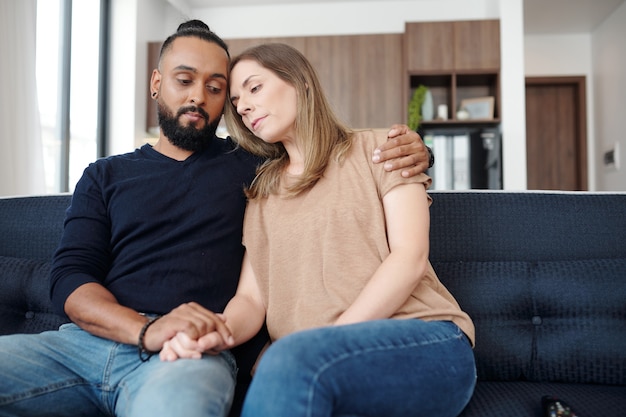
(155, 231)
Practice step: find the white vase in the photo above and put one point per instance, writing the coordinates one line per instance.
(428, 108)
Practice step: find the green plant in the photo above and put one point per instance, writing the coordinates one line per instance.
(415, 107)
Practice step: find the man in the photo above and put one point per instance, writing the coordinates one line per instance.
(151, 249)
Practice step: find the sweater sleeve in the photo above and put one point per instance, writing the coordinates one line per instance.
(83, 254)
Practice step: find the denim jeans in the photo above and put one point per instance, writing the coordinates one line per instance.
(70, 372)
(382, 368)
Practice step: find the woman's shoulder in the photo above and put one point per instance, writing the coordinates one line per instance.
(366, 140)
(369, 137)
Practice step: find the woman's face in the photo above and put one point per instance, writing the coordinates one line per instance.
(267, 104)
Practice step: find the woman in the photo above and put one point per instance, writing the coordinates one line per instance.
(336, 262)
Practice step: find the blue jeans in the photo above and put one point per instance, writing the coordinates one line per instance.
(70, 372)
(382, 368)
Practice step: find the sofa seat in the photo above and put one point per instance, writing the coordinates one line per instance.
(523, 399)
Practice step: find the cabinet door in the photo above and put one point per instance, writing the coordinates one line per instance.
(429, 46)
(237, 46)
(477, 45)
(362, 76)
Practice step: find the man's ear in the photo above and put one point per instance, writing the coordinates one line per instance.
(155, 82)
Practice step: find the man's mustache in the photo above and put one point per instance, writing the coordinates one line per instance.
(193, 109)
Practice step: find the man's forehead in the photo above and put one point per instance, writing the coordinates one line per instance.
(192, 51)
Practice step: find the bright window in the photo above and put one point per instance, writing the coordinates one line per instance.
(68, 86)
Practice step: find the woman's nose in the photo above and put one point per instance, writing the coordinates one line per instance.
(242, 106)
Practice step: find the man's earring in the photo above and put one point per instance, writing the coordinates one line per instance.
(154, 95)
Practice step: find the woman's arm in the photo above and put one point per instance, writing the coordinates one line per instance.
(245, 313)
(408, 222)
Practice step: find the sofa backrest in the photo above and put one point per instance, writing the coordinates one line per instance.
(543, 276)
(30, 230)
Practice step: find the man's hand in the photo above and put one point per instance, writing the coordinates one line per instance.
(183, 347)
(176, 334)
(94, 308)
(404, 150)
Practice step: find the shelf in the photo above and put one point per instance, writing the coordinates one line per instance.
(431, 124)
(456, 61)
(452, 88)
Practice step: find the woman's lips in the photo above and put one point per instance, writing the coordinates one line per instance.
(256, 122)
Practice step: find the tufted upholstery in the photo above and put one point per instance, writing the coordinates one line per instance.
(543, 275)
(30, 230)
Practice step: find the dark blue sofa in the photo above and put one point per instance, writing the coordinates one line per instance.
(543, 275)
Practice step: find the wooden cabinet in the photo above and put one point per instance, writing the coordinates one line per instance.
(453, 46)
(477, 45)
(456, 61)
(428, 46)
(369, 79)
(362, 75)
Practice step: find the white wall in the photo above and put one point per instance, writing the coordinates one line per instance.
(122, 79)
(609, 69)
(513, 95)
(601, 57)
(134, 24)
(566, 55)
(338, 18)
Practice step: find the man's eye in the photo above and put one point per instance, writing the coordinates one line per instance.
(213, 89)
(184, 81)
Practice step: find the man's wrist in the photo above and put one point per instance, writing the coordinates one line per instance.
(431, 157)
(144, 353)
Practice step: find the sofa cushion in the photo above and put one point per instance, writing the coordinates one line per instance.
(498, 298)
(497, 399)
(24, 301)
(579, 321)
(32, 226)
(560, 321)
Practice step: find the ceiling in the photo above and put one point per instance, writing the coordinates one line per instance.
(566, 16)
(540, 16)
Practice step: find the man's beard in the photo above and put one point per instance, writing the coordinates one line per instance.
(186, 137)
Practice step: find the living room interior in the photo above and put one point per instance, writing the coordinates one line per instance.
(542, 273)
(553, 38)
(535, 40)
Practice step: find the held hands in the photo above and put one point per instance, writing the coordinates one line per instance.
(188, 331)
(182, 346)
(404, 150)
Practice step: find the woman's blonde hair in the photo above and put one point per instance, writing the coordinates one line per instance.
(322, 134)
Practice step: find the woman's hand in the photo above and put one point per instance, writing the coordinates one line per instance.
(181, 346)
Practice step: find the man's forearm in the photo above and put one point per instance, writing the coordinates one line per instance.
(94, 309)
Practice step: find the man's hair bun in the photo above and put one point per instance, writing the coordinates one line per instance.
(193, 29)
(193, 25)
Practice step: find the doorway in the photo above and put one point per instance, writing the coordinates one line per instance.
(556, 133)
